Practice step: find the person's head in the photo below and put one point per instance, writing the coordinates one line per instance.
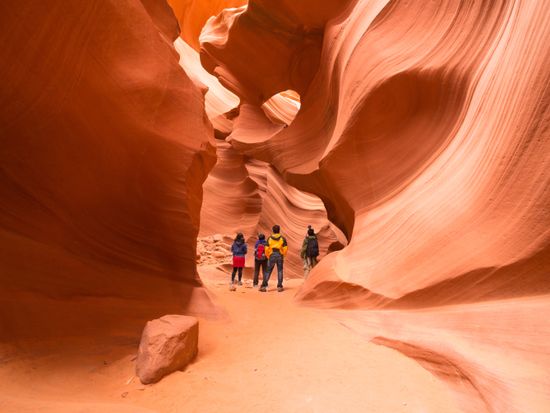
(261, 236)
(310, 231)
(276, 229)
(239, 237)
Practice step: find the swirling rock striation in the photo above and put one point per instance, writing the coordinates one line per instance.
(105, 145)
(248, 196)
(403, 135)
(424, 129)
(193, 14)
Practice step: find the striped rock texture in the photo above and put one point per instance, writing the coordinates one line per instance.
(424, 129)
(243, 194)
(105, 145)
(249, 196)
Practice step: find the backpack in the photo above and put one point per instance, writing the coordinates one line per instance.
(260, 252)
(312, 249)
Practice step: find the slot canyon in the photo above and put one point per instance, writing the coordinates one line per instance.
(138, 137)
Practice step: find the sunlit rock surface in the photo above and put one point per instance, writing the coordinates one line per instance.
(193, 14)
(424, 129)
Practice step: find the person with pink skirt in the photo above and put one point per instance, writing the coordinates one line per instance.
(239, 250)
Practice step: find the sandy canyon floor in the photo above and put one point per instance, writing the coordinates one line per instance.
(263, 353)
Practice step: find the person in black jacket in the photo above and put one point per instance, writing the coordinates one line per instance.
(239, 250)
(309, 251)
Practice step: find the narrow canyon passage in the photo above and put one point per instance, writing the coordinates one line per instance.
(138, 137)
(262, 352)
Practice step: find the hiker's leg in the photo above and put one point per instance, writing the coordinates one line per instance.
(240, 273)
(256, 272)
(270, 265)
(263, 264)
(314, 262)
(306, 266)
(233, 275)
(280, 271)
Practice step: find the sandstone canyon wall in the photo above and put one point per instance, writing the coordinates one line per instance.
(105, 145)
(193, 14)
(424, 129)
(249, 196)
(246, 195)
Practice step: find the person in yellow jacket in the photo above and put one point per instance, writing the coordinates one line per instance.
(275, 252)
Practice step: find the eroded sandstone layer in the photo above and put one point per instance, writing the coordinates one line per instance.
(249, 196)
(424, 129)
(419, 136)
(422, 126)
(193, 14)
(105, 145)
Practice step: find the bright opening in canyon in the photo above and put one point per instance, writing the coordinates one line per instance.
(401, 146)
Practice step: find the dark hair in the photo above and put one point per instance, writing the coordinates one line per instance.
(239, 236)
(261, 236)
(310, 231)
(276, 229)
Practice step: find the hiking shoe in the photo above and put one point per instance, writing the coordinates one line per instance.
(254, 285)
(232, 287)
(263, 289)
(240, 283)
(280, 289)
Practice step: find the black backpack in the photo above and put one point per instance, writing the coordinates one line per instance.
(312, 249)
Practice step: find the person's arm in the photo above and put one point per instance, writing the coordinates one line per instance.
(285, 247)
(267, 248)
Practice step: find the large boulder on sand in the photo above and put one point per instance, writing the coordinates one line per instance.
(167, 344)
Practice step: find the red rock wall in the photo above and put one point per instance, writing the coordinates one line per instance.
(105, 145)
(418, 134)
(193, 14)
(248, 196)
(424, 129)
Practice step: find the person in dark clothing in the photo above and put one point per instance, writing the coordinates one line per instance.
(275, 253)
(309, 251)
(260, 259)
(239, 250)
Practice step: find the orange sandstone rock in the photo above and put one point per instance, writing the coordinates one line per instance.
(425, 134)
(193, 14)
(105, 145)
(168, 344)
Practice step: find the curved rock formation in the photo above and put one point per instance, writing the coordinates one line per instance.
(423, 128)
(232, 202)
(248, 196)
(293, 57)
(421, 133)
(105, 145)
(283, 107)
(218, 100)
(193, 14)
(400, 135)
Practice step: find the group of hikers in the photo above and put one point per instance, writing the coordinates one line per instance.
(269, 253)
